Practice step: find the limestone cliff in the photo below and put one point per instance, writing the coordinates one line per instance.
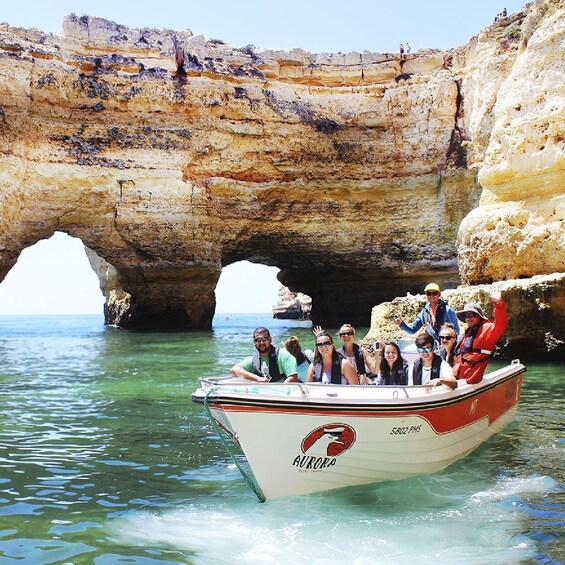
(171, 156)
(292, 305)
(518, 230)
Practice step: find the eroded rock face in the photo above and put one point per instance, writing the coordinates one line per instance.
(519, 230)
(171, 157)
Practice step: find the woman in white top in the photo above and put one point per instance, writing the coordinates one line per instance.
(328, 365)
(357, 356)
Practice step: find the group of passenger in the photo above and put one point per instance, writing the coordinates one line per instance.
(445, 353)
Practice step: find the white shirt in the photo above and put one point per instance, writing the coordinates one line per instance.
(327, 379)
(445, 372)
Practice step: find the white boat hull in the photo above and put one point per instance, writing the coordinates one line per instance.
(300, 439)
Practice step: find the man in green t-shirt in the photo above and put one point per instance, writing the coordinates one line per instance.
(268, 363)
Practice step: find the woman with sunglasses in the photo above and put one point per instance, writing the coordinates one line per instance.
(393, 369)
(328, 365)
(447, 341)
(355, 355)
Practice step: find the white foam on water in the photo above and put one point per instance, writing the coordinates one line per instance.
(475, 529)
(513, 486)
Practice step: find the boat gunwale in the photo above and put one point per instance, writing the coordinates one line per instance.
(216, 397)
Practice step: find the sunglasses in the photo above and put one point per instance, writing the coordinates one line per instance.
(343, 334)
(433, 293)
(446, 337)
(324, 344)
(470, 315)
(428, 349)
(261, 339)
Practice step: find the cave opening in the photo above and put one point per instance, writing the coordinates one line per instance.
(247, 288)
(52, 277)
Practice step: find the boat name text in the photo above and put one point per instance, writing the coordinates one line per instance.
(313, 463)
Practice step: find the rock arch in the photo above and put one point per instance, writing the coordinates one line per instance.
(352, 183)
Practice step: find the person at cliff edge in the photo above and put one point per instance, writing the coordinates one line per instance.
(474, 348)
(268, 363)
(432, 317)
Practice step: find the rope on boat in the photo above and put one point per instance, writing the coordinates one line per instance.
(249, 479)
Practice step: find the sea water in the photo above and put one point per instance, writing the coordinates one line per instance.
(105, 460)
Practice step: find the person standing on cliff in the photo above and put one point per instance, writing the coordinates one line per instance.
(432, 317)
(474, 348)
(401, 49)
(268, 363)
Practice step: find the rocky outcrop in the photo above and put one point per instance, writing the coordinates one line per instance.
(536, 327)
(292, 305)
(171, 156)
(519, 230)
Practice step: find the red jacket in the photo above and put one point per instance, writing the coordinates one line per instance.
(471, 365)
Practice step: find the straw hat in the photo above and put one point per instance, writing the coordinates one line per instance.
(471, 307)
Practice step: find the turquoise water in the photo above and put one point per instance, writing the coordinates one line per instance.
(104, 459)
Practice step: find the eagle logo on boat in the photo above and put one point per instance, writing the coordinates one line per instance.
(329, 440)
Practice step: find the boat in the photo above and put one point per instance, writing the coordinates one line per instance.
(301, 438)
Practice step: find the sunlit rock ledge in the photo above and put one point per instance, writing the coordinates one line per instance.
(171, 156)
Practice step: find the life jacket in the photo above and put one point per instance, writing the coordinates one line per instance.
(418, 369)
(359, 359)
(439, 319)
(398, 377)
(273, 365)
(465, 345)
(336, 370)
(449, 358)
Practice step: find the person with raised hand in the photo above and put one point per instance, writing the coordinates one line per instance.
(475, 347)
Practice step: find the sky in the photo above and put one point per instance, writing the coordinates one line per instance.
(54, 276)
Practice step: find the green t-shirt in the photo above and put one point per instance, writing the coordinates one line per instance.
(285, 361)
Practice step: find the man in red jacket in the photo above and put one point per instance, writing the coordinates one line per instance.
(475, 347)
